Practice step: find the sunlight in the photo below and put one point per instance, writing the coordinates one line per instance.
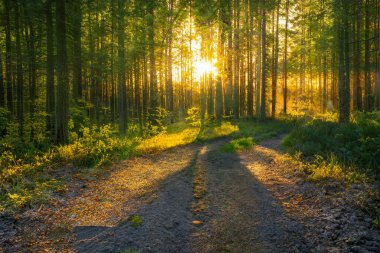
(204, 67)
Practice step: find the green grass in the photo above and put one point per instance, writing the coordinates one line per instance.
(244, 143)
(353, 147)
(135, 220)
(214, 130)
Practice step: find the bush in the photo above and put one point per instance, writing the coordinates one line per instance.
(157, 121)
(355, 144)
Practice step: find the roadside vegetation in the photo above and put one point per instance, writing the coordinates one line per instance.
(346, 152)
(349, 152)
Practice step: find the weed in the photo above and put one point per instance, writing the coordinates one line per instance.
(135, 220)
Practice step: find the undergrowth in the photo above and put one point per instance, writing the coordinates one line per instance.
(348, 151)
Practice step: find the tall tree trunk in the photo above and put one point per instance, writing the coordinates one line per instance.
(8, 56)
(20, 75)
(236, 83)
(275, 62)
(113, 86)
(62, 106)
(219, 85)
(169, 88)
(32, 72)
(249, 21)
(343, 53)
(121, 92)
(77, 49)
(357, 93)
(152, 58)
(377, 41)
(367, 71)
(259, 63)
(2, 90)
(50, 93)
(285, 61)
(262, 114)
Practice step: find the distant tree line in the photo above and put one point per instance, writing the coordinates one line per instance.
(65, 64)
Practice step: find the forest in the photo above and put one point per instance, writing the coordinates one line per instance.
(87, 86)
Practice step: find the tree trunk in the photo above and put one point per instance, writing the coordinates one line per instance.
(343, 53)
(262, 114)
(62, 106)
(285, 62)
(50, 93)
(121, 93)
(275, 62)
(20, 74)
(77, 49)
(152, 59)
(8, 57)
(367, 71)
(2, 90)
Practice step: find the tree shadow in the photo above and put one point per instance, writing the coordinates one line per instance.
(241, 215)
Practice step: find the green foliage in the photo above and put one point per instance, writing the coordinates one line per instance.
(193, 116)
(96, 146)
(263, 130)
(353, 145)
(239, 144)
(26, 179)
(157, 121)
(135, 220)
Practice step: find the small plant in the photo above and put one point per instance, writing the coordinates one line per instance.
(135, 220)
(376, 222)
(239, 144)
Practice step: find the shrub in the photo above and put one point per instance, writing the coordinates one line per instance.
(157, 121)
(193, 116)
(355, 144)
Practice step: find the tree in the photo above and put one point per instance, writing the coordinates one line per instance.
(122, 93)
(62, 105)
(50, 89)
(342, 36)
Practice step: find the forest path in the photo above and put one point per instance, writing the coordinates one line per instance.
(237, 213)
(197, 198)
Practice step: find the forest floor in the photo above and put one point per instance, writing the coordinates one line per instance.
(198, 198)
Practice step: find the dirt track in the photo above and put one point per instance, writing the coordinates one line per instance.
(252, 201)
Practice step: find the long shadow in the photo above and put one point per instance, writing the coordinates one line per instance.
(166, 222)
(242, 216)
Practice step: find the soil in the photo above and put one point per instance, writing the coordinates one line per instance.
(197, 198)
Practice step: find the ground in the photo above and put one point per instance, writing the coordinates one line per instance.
(197, 198)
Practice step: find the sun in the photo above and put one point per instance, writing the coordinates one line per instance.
(203, 67)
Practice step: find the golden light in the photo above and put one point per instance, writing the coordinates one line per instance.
(204, 67)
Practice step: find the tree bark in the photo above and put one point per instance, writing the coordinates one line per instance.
(62, 106)
(121, 93)
(50, 90)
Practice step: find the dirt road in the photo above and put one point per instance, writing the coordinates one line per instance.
(197, 199)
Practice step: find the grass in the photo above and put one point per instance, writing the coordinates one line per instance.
(135, 220)
(166, 140)
(244, 143)
(214, 130)
(32, 181)
(347, 152)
